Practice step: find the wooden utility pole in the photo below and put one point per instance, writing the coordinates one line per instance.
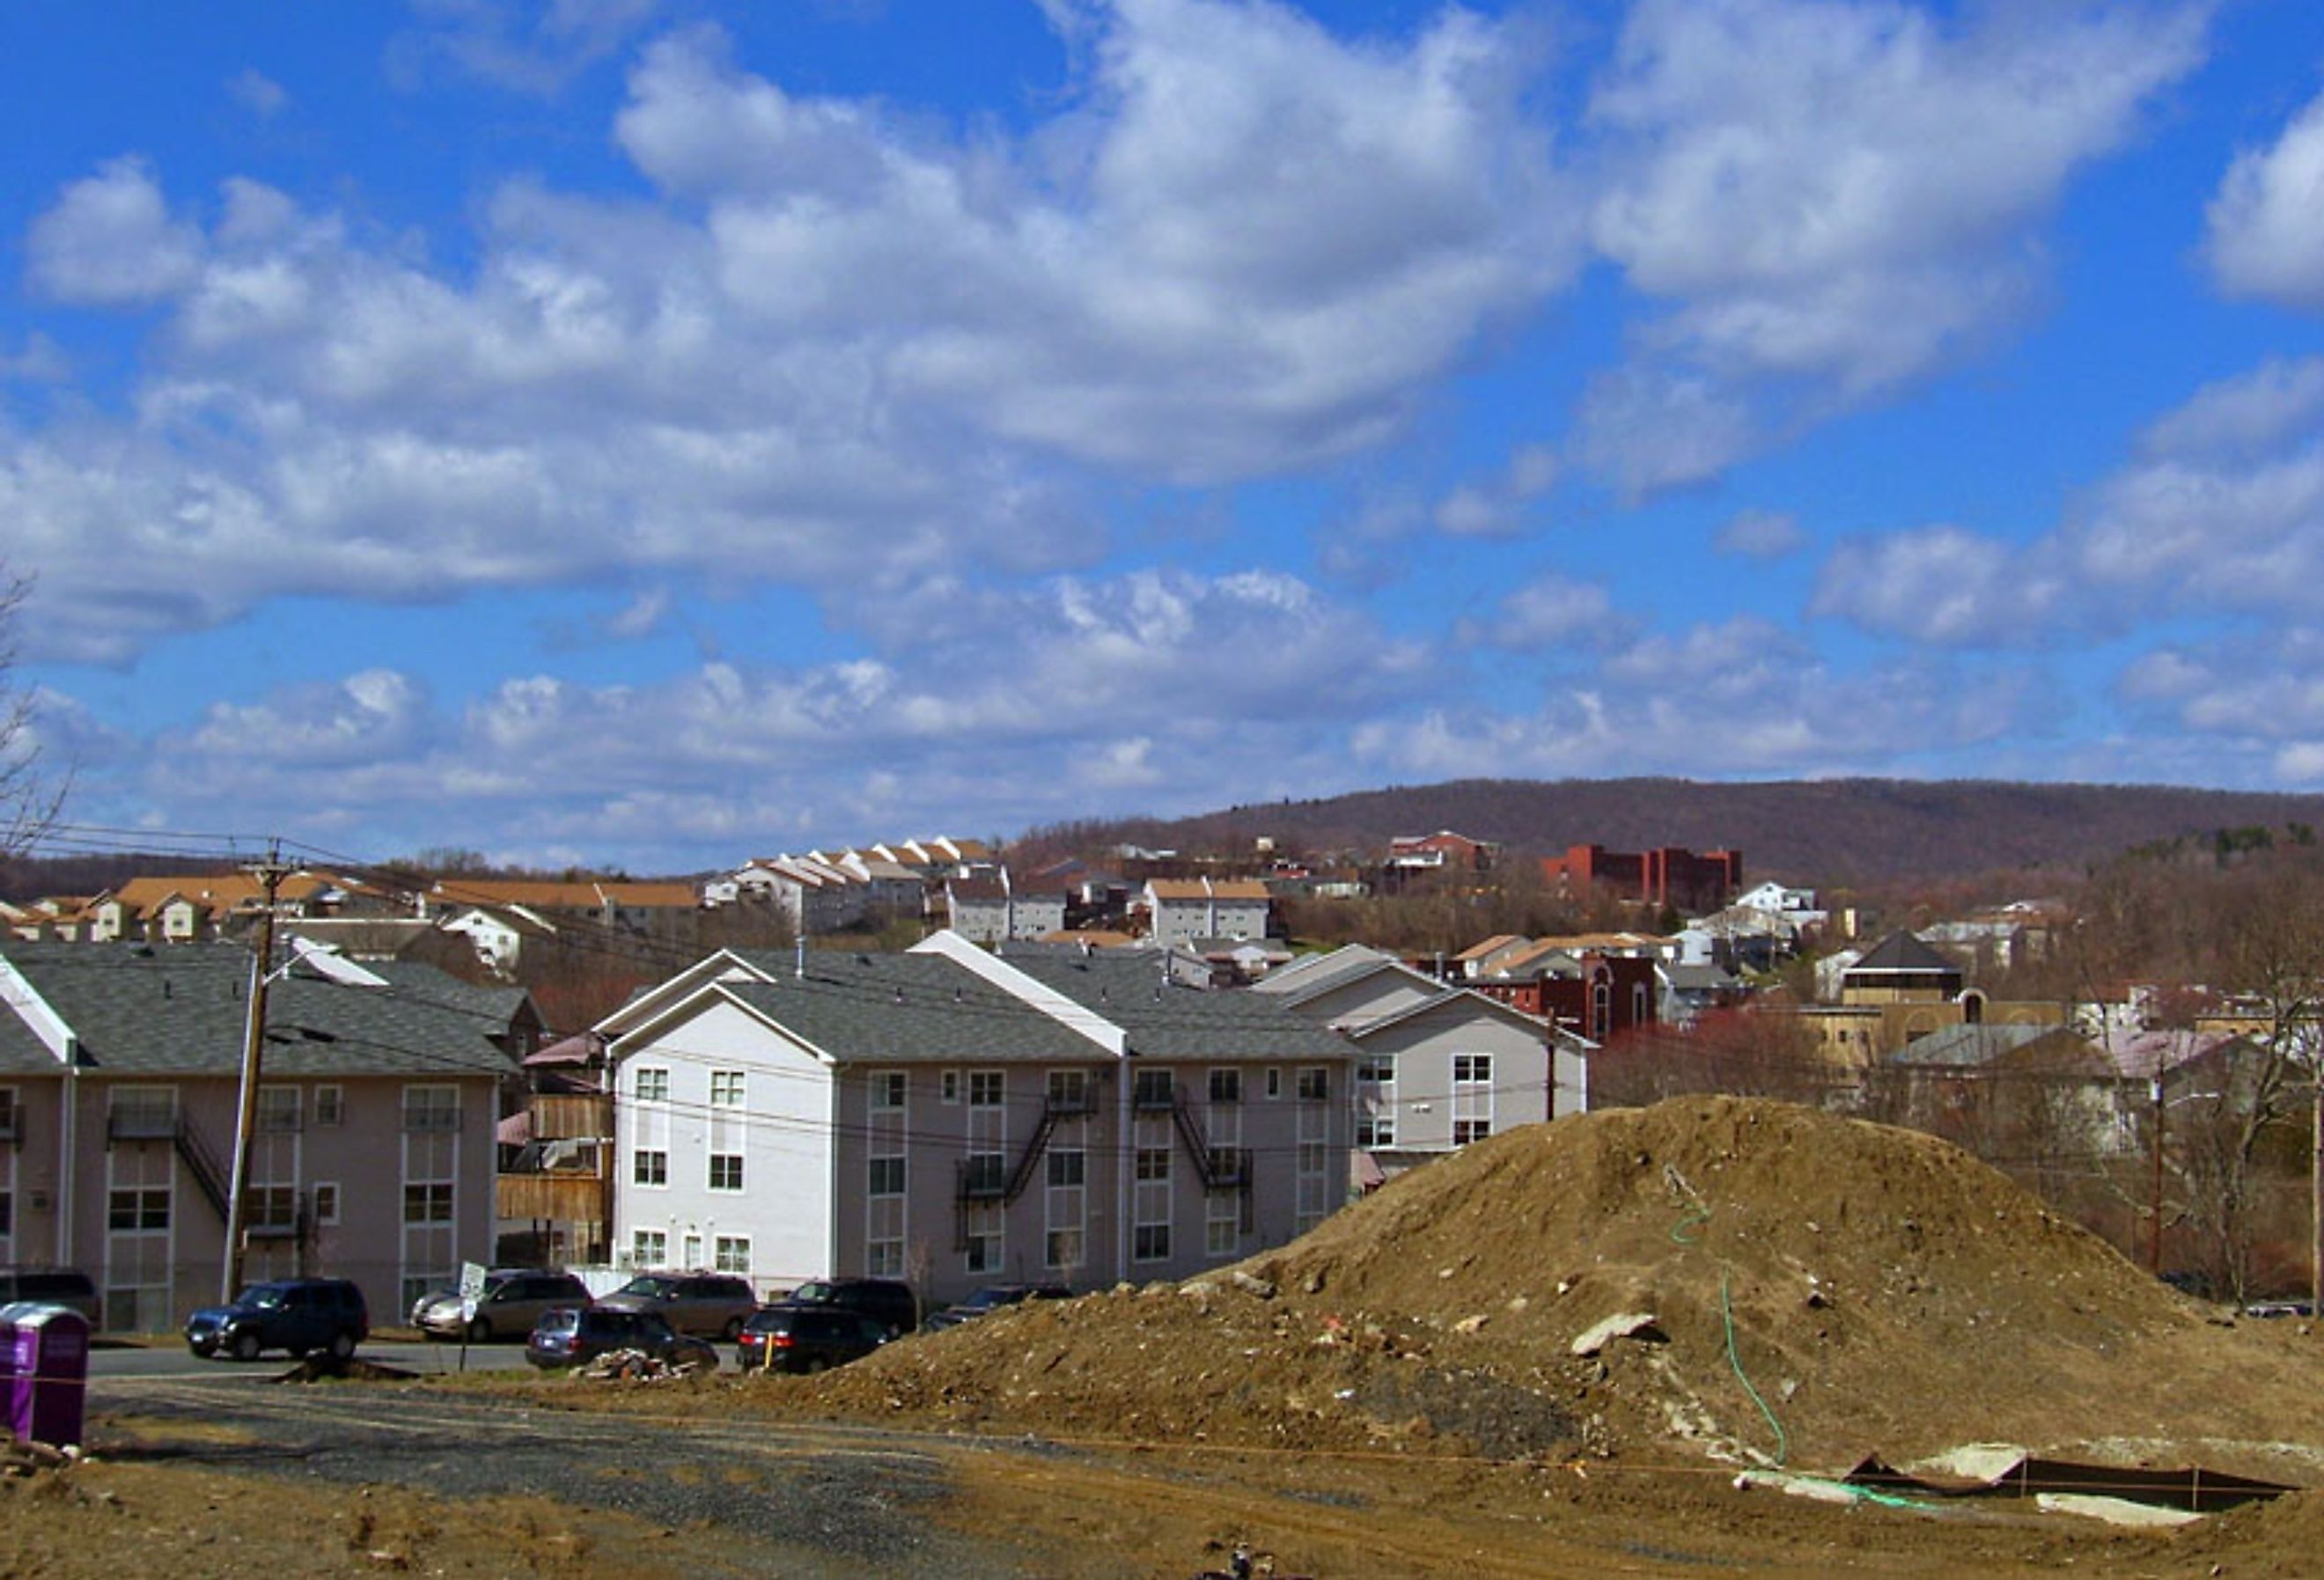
(270, 873)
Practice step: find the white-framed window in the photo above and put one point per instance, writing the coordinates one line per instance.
(725, 1171)
(694, 1251)
(327, 1203)
(1222, 1223)
(428, 1109)
(726, 1088)
(887, 1176)
(653, 1084)
(1154, 1163)
(730, 1253)
(650, 1166)
(141, 1113)
(1151, 1198)
(428, 1202)
(1473, 1097)
(1274, 1083)
(1472, 1069)
(948, 1087)
(331, 1107)
(1069, 1092)
(279, 1108)
(1150, 1243)
(1375, 1129)
(137, 1208)
(1226, 1084)
(1315, 1082)
(1465, 1130)
(649, 1248)
(987, 1089)
(987, 1223)
(888, 1090)
(1153, 1087)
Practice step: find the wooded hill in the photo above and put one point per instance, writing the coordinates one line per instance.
(1842, 831)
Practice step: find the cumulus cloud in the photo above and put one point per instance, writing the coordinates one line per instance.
(2255, 699)
(1835, 198)
(1760, 534)
(1940, 585)
(1495, 507)
(258, 93)
(109, 240)
(1737, 698)
(2265, 231)
(519, 45)
(1553, 610)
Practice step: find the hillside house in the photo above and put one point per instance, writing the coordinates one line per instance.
(1180, 910)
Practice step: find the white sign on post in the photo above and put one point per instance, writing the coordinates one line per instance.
(472, 1290)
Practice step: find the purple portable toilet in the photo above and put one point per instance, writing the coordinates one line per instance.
(44, 1371)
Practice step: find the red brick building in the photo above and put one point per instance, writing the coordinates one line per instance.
(1599, 996)
(1671, 876)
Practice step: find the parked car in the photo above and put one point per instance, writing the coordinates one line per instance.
(892, 1301)
(992, 1298)
(297, 1315)
(2274, 1308)
(715, 1304)
(514, 1301)
(791, 1338)
(51, 1286)
(573, 1336)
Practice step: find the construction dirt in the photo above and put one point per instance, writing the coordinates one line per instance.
(1566, 1350)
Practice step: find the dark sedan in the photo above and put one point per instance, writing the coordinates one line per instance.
(574, 1337)
(992, 1298)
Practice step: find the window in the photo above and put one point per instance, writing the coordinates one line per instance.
(1375, 1129)
(427, 1204)
(948, 1087)
(984, 1244)
(1069, 1092)
(649, 1247)
(1153, 1088)
(8, 1126)
(725, 1088)
(888, 1087)
(330, 1108)
(1153, 1162)
(1274, 1082)
(1226, 1086)
(431, 1108)
(653, 1086)
(1222, 1228)
(145, 1208)
(272, 1208)
(1472, 1069)
(986, 1088)
(1465, 1130)
(1063, 1250)
(650, 1167)
(730, 1253)
(725, 1171)
(694, 1251)
(1150, 1243)
(887, 1176)
(1065, 1170)
(1376, 1070)
(277, 1108)
(1315, 1082)
(327, 1203)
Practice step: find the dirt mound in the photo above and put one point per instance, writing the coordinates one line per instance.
(1819, 1287)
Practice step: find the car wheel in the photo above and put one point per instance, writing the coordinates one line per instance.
(815, 1363)
(343, 1344)
(245, 1346)
(734, 1329)
(479, 1330)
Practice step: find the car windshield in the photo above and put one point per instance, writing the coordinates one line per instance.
(269, 1296)
(658, 1289)
(987, 1298)
(813, 1293)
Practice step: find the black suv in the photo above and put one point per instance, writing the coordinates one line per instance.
(889, 1300)
(785, 1338)
(297, 1315)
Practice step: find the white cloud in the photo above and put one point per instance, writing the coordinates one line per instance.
(519, 45)
(1761, 535)
(2267, 223)
(109, 240)
(1495, 507)
(1835, 198)
(1940, 584)
(1742, 697)
(1553, 610)
(258, 93)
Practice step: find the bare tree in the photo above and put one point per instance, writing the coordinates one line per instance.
(29, 798)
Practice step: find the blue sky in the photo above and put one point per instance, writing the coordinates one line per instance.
(652, 433)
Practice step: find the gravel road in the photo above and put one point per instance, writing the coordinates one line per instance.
(795, 1499)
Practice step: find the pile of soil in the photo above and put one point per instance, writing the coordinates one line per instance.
(1821, 1290)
